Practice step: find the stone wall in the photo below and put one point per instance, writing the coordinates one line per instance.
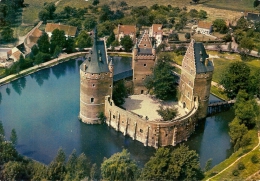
(93, 89)
(150, 133)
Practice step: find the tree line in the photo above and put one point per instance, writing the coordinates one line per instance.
(180, 163)
(10, 13)
(243, 86)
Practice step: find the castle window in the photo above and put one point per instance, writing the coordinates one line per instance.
(93, 85)
(92, 99)
(145, 65)
(141, 130)
(114, 117)
(135, 78)
(188, 94)
(144, 45)
(142, 78)
(166, 135)
(106, 73)
(92, 74)
(110, 86)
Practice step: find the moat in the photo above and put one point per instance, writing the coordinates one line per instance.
(43, 108)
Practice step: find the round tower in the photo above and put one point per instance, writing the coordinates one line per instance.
(95, 83)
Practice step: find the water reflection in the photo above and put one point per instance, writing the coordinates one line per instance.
(18, 85)
(8, 90)
(48, 120)
(59, 71)
(41, 76)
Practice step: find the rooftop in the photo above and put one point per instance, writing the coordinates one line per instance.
(127, 29)
(205, 25)
(69, 30)
(146, 105)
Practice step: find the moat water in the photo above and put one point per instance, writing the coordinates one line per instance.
(43, 108)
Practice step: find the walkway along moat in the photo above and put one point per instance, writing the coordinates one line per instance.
(43, 108)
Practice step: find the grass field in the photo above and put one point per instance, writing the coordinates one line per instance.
(250, 168)
(30, 14)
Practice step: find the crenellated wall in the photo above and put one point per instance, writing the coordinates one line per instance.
(151, 133)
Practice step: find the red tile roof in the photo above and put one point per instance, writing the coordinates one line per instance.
(69, 30)
(157, 28)
(205, 25)
(127, 29)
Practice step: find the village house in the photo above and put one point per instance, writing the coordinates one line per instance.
(157, 33)
(14, 54)
(124, 30)
(33, 37)
(204, 27)
(70, 31)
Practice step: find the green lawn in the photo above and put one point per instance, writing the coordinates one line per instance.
(30, 13)
(250, 168)
(2, 72)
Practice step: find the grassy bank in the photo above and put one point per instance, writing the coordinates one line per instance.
(218, 92)
(250, 168)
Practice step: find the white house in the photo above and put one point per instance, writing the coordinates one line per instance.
(156, 32)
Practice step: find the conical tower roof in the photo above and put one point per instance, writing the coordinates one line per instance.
(96, 61)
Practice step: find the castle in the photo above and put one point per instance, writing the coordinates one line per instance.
(96, 84)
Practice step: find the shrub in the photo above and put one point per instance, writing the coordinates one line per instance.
(254, 159)
(235, 172)
(241, 166)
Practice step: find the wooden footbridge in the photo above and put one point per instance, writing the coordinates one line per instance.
(220, 106)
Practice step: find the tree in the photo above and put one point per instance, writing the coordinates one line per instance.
(43, 43)
(168, 113)
(203, 14)
(174, 37)
(162, 81)
(90, 23)
(180, 164)
(14, 170)
(57, 170)
(41, 57)
(246, 109)
(82, 167)
(2, 131)
(83, 40)
(13, 137)
(95, 2)
(50, 8)
(236, 132)
(127, 43)
(208, 165)
(123, 4)
(220, 26)
(236, 77)
(193, 13)
(256, 3)
(58, 38)
(43, 15)
(247, 44)
(71, 166)
(119, 93)
(70, 48)
(119, 167)
(57, 51)
(7, 34)
(187, 36)
(242, 24)
(110, 39)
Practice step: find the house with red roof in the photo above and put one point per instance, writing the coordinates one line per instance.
(70, 31)
(124, 30)
(204, 27)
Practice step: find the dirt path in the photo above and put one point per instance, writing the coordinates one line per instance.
(238, 158)
(56, 3)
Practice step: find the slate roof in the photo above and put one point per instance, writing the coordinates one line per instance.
(253, 17)
(69, 30)
(96, 61)
(200, 57)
